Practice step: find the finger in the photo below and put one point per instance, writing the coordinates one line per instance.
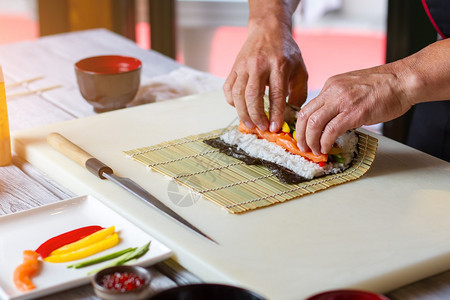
(316, 125)
(238, 94)
(278, 87)
(254, 96)
(302, 120)
(228, 87)
(333, 129)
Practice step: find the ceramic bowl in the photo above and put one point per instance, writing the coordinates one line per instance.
(206, 291)
(142, 292)
(108, 82)
(347, 295)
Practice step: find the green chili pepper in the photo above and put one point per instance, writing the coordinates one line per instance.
(337, 158)
(100, 259)
(124, 258)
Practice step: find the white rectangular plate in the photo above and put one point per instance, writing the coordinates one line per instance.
(28, 229)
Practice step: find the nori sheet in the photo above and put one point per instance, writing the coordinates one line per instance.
(283, 174)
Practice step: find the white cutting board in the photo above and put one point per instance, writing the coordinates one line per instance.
(387, 229)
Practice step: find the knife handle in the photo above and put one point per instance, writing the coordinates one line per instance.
(78, 155)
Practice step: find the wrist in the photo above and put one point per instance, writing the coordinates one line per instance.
(426, 73)
(270, 15)
(412, 82)
(269, 26)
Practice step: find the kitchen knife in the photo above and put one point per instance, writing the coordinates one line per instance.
(102, 171)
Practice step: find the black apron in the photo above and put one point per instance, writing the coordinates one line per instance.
(439, 13)
(430, 126)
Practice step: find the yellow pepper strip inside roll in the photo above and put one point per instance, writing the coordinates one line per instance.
(89, 250)
(86, 241)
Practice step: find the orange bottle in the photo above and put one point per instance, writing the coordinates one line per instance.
(5, 142)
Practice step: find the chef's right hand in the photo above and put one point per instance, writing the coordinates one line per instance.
(270, 57)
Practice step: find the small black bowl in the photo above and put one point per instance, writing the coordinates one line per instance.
(206, 291)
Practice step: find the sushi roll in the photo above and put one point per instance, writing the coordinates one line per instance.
(280, 154)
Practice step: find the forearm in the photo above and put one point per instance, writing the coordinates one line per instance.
(426, 74)
(271, 12)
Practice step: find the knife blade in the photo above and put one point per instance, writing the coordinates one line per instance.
(101, 170)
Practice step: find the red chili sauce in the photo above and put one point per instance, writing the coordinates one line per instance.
(122, 282)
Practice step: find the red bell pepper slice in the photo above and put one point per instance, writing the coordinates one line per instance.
(58, 241)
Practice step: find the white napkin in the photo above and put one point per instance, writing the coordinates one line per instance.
(181, 82)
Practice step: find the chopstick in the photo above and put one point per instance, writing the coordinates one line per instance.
(33, 91)
(14, 84)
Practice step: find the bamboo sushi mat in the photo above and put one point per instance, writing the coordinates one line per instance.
(232, 184)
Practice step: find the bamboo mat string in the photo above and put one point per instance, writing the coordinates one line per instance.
(234, 184)
(208, 170)
(152, 149)
(181, 158)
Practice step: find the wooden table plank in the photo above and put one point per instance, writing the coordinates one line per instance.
(29, 111)
(19, 192)
(433, 288)
(77, 45)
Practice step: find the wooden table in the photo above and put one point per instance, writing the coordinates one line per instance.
(24, 187)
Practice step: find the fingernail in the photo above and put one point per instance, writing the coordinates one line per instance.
(263, 127)
(273, 126)
(301, 148)
(249, 125)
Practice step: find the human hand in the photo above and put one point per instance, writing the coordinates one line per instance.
(269, 57)
(348, 101)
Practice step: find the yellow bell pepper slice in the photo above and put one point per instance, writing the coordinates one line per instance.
(293, 135)
(89, 250)
(285, 128)
(335, 150)
(86, 241)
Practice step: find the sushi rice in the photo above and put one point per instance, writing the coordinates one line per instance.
(263, 149)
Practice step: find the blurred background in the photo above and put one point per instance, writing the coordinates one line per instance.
(335, 35)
